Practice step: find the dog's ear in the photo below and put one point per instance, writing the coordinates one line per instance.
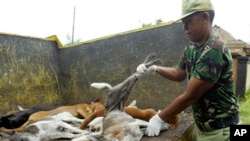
(20, 108)
(32, 129)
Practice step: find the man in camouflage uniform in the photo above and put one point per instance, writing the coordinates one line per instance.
(207, 63)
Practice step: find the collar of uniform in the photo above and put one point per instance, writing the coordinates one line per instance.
(212, 37)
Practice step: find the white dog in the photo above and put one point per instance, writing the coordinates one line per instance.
(51, 127)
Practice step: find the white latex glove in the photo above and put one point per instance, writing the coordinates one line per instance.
(143, 69)
(155, 125)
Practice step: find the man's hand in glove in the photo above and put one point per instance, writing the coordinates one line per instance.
(156, 124)
(143, 69)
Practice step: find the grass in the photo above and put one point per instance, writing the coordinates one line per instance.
(244, 108)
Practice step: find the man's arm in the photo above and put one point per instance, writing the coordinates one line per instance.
(195, 89)
(175, 74)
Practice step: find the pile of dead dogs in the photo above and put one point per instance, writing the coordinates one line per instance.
(112, 121)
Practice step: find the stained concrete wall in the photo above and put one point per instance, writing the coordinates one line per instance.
(29, 72)
(35, 71)
(115, 58)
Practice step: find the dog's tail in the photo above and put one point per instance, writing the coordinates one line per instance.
(101, 86)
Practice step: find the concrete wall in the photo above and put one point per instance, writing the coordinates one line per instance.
(29, 72)
(35, 71)
(115, 58)
(38, 71)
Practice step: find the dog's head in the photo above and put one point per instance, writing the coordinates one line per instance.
(118, 94)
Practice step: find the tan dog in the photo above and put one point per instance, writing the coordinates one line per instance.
(98, 110)
(79, 110)
(147, 114)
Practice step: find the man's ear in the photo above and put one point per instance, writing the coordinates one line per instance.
(205, 17)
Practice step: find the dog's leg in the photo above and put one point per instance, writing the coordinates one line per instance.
(83, 111)
(91, 137)
(73, 129)
(2, 129)
(92, 116)
(96, 125)
(68, 117)
(73, 120)
(174, 121)
(58, 135)
(137, 113)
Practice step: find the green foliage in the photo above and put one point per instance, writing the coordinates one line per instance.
(158, 21)
(244, 108)
(146, 25)
(70, 42)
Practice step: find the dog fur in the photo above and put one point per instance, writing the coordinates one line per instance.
(81, 110)
(87, 111)
(51, 127)
(18, 118)
(98, 110)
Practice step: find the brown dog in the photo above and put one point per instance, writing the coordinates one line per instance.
(79, 110)
(143, 114)
(147, 114)
(98, 110)
(89, 112)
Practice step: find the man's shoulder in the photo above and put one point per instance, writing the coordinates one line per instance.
(217, 44)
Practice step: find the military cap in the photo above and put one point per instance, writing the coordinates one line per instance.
(189, 7)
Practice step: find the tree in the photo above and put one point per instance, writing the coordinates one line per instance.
(69, 41)
(158, 21)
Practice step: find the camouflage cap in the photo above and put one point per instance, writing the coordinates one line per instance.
(191, 6)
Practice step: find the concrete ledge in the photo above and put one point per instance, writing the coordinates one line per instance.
(183, 132)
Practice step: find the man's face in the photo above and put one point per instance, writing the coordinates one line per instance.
(194, 27)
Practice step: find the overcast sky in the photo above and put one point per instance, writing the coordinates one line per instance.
(98, 18)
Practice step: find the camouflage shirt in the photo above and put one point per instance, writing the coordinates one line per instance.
(211, 62)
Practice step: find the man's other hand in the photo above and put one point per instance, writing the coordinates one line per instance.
(156, 124)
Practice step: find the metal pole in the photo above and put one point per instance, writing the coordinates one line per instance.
(249, 34)
(73, 27)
